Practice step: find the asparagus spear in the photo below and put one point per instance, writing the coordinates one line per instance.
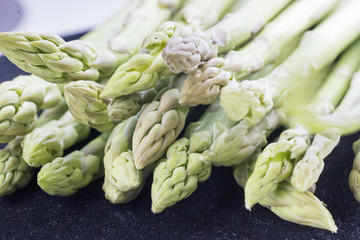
(307, 171)
(160, 123)
(299, 207)
(14, 171)
(123, 182)
(354, 180)
(50, 57)
(85, 104)
(53, 59)
(319, 47)
(20, 101)
(177, 175)
(49, 141)
(236, 144)
(143, 70)
(185, 54)
(65, 175)
(275, 43)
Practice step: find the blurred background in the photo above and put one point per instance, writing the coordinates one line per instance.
(65, 17)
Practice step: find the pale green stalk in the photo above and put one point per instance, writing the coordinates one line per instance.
(143, 70)
(288, 203)
(51, 58)
(176, 176)
(186, 53)
(20, 101)
(307, 171)
(236, 144)
(204, 84)
(318, 48)
(119, 165)
(49, 141)
(123, 182)
(354, 177)
(275, 164)
(284, 28)
(14, 171)
(65, 175)
(160, 123)
(116, 196)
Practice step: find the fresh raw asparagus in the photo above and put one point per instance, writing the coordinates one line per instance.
(318, 48)
(85, 104)
(55, 60)
(123, 182)
(299, 207)
(20, 101)
(186, 53)
(278, 39)
(177, 175)
(275, 164)
(160, 123)
(143, 70)
(65, 175)
(236, 144)
(14, 171)
(354, 179)
(49, 141)
(307, 171)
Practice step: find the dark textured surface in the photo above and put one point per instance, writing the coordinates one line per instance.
(215, 211)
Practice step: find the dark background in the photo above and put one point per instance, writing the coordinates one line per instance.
(215, 211)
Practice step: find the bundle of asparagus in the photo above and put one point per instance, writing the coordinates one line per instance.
(123, 80)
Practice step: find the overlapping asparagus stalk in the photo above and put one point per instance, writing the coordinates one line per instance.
(278, 39)
(65, 175)
(14, 171)
(354, 177)
(186, 53)
(238, 143)
(123, 182)
(20, 101)
(177, 175)
(49, 141)
(85, 104)
(289, 204)
(319, 47)
(160, 123)
(51, 58)
(277, 161)
(143, 70)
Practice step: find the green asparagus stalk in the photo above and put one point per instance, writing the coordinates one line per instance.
(299, 207)
(275, 43)
(177, 175)
(236, 144)
(85, 104)
(143, 70)
(116, 196)
(65, 175)
(83, 99)
(55, 60)
(49, 141)
(307, 171)
(20, 101)
(319, 47)
(14, 171)
(119, 165)
(160, 123)
(275, 164)
(123, 182)
(186, 53)
(354, 180)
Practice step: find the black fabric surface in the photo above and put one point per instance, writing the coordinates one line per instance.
(215, 211)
